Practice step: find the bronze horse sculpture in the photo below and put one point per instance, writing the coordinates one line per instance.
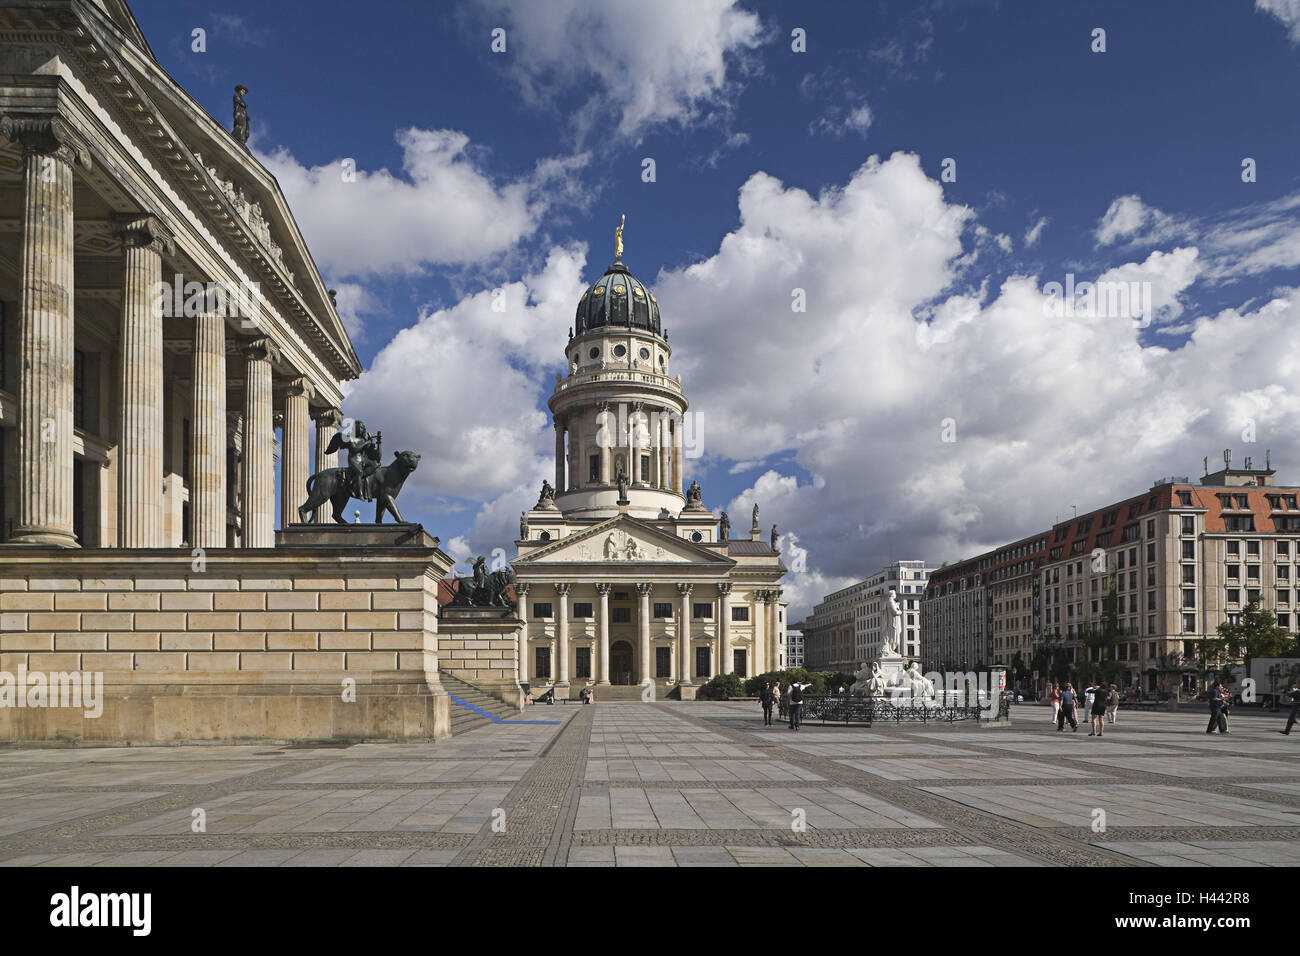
(335, 485)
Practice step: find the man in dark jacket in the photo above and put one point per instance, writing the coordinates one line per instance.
(796, 702)
(765, 698)
(1067, 710)
(1294, 693)
(1218, 700)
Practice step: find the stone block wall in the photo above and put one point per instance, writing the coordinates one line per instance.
(283, 643)
(481, 647)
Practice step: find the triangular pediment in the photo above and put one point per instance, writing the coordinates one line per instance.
(624, 540)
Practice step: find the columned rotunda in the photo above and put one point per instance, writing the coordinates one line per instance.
(623, 576)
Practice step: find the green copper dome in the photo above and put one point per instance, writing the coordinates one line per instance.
(617, 299)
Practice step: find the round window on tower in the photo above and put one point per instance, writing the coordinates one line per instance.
(620, 350)
(645, 353)
(594, 353)
(544, 536)
(696, 536)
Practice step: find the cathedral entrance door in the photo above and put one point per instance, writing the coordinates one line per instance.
(620, 663)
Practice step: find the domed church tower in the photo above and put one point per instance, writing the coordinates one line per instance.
(627, 583)
(618, 412)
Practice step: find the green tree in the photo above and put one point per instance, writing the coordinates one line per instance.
(1255, 634)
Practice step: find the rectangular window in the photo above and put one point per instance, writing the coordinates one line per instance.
(702, 612)
(701, 662)
(663, 609)
(1252, 573)
(1151, 600)
(582, 662)
(1284, 620)
(1151, 577)
(1283, 572)
(1233, 597)
(1189, 598)
(1234, 572)
(1189, 550)
(620, 615)
(1189, 573)
(1184, 499)
(1151, 527)
(1151, 552)
(740, 614)
(645, 468)
(621, 595)
(1121, 560)
(1239, 523)
(541, 610)
(663, 662)
(582, 609)
(1189, 524)
(738, 663)
(1283, 548)
(1189, 623)
(542, 663)
(1234, 548)
(1252, 548)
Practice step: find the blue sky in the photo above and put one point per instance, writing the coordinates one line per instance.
(480, 170)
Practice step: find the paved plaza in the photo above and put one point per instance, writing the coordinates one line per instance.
(675, 784)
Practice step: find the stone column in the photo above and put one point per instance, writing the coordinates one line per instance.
(293, 457)
(605, 438)
(208, 434)
(559, 456)
(725, 665)
(677, 454)
(521, 594)
(327, 421)
(258, 486)
(562, 635)
(643, 625)
(760, 648)
(45, 328)
(602, 673)
(773, 632)
(684, 666)
(665, 450)
(140, 442)
(575, 452)
(656, 452)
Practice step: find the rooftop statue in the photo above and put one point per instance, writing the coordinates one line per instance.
(618, 239)
(338, 486)
(725, 533)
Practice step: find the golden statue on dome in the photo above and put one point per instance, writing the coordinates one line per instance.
(618, 239)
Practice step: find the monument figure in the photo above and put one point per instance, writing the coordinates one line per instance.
(694, 496)
(484, 588)
(894, 616)
(240, 129)
(335, 485)
(775, 537)
(753, 528)
(523, 526)
(724, 534)
(364, 453)
(547, 497)
(622, 487)
(618, 239)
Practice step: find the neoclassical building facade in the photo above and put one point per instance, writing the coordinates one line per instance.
(160, 314)
(623, 576)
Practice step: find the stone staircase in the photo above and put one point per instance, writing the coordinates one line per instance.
(470, 707)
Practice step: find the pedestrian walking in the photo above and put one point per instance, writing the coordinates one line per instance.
(1066, 711)
(1055, 698)
(1294, 693)
(1112, 704)
(1218, 709)
(1089, 694)
(795, 702)
(1097, 711)
(765, 697)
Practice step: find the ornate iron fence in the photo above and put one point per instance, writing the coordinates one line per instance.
(847, 709)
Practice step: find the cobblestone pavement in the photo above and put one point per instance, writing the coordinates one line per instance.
(676, 784)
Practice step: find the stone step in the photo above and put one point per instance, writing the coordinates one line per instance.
(471, 707)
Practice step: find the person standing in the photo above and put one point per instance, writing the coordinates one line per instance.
(1217, 706)
(1055, 698)
(1066, 711)
(1112, 704)
(765, 697)
(1294, 693)
(795, 702)
(1097, 711)
(1089, 695)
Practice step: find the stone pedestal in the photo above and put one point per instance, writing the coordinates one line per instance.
(480, 645)
(333, 535)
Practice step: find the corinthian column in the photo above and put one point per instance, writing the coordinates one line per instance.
(521, 599)
(677, 454)
(140, 446)
(559, 456)
(327, 425)
(293, 461)
(45, 328)
(684, 666)
(258, 491)
(725, 666)
(643, 625)
(602, 673)
(562, 636)
(208, 434)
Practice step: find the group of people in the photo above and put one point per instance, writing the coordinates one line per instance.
(770, 696)
(1100, 702)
